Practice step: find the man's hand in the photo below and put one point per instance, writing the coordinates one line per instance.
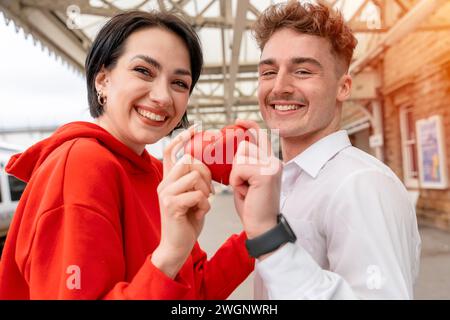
(256, 180)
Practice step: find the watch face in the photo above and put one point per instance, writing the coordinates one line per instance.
(284, 222)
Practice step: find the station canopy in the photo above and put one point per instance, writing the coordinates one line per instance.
(228, 84)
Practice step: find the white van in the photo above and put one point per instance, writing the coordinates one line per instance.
(11, 190)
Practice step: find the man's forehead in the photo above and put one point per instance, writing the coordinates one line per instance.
(289, 46)
(285, 43)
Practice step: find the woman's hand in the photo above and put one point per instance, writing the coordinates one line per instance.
(183, 199)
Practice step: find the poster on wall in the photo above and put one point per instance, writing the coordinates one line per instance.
(431, 153)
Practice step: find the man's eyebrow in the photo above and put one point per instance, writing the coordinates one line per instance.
(301, 60)
(157, 65)
(269, 62)
(295, 60)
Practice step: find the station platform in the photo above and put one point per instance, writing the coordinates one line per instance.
(434, 277)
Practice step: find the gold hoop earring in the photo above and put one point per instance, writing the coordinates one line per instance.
(100, 98)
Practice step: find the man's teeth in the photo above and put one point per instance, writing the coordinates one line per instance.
(286, 107)
(150, 115)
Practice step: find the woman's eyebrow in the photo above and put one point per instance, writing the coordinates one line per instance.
(183, 72)
(157, 65)
(149, 60)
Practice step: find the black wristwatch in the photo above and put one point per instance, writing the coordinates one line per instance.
(272, 239)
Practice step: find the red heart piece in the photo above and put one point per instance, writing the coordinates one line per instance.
(216, 149)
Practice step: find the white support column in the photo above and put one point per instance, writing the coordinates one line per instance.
(239, 26)
(377, 139)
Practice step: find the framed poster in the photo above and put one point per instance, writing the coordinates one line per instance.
(431, 153)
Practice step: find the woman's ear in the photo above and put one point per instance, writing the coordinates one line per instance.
(344, 87)
(102, 80)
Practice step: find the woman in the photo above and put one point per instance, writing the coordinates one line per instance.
(89, 224)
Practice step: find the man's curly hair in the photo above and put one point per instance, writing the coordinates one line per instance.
(313, 19)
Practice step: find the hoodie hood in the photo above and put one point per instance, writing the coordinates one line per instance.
(23, 165)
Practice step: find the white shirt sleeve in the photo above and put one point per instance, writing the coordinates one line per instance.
(373, 247)
(290, 273)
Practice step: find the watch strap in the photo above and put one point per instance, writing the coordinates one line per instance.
(272, 239)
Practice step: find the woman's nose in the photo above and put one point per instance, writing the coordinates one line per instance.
(160, 93)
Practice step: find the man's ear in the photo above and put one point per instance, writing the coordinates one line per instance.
(102, 80)
(344, 87)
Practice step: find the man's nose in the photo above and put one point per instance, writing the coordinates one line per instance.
(283, 84)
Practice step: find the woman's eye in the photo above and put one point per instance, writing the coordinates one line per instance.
(182, 84)
(143, 71)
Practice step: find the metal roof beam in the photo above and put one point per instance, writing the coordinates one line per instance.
(62, 5)
(162, 6)
(50, 30)
(358, 12)
(217, 22)
(407, 24)
(240, 18)
(205, 9)
(182, 3)
(40, 129)
(242, 68)
(404, 5)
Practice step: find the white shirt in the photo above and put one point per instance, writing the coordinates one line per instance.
(357, 234)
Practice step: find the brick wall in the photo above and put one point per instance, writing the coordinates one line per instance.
(417, 72)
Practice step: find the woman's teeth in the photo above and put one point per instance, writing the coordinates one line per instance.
(286, 107)
(150, 115)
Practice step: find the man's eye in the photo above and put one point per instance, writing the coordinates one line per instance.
(268, 73)
(303, 72)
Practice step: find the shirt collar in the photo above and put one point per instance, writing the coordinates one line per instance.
(318, 154)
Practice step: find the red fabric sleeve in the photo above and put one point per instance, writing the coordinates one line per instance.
(81, 260)
(225, 271)
(85, 263)
(75, 250)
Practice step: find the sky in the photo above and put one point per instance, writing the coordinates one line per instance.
(36, 89)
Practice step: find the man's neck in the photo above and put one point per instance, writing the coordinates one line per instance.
(293, 146)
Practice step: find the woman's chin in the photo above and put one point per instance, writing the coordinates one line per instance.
(149, 135)
(150, 139)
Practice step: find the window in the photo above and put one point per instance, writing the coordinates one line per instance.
(409, 149)
(16, 188)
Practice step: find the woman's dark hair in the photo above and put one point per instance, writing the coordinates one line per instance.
(109, 45)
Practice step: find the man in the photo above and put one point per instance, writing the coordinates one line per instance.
(356, 230)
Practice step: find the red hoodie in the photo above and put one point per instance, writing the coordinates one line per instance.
(88, 222)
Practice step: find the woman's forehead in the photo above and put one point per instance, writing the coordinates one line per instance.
(158, 43)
